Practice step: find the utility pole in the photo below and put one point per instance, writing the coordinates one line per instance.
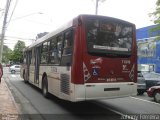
(96, 12)
(4, 28)
(97, 1)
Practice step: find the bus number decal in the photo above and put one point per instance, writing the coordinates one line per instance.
(125, 68)
(108, 79)
(125, 64)
(111, 79)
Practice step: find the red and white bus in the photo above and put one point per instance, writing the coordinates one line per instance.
(91, 57)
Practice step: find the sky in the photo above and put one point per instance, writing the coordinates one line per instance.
(31, 17)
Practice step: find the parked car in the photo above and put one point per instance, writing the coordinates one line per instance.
(154, 92)
(14, 68)
(8, 65)
(151, 79)
(141, 84)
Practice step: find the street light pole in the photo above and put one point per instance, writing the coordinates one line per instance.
(3, 28)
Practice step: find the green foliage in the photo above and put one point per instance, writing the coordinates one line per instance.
(156, 19)
(17, 55)
(157, 39)
(6, 54)
(156, 13)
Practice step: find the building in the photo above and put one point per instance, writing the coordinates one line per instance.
(148, 47)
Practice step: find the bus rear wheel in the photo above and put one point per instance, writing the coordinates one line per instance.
(45, 87)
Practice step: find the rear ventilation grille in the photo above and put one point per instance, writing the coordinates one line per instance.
(65, 83)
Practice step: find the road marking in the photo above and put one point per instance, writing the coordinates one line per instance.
(145, 100)
(126, 115)
(117, 112)
(122, 115)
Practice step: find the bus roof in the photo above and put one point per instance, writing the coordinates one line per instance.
(68, 25)
(50, 35)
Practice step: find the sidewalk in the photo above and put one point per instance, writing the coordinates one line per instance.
(8, 106)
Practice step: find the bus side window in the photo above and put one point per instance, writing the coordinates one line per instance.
(29, 57)
(53, 52)
(59, 46)
(33, 57)
(44, 54)
(24, 58)
(68, 48)
(68, 41)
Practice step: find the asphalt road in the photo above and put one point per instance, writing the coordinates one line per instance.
(34, 106)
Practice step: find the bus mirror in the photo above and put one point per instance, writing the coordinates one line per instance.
(79, 21)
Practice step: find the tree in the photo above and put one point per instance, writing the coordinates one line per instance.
(17, 54)
(6, 54)
(156, 18)
(156, 13)
(41, 35)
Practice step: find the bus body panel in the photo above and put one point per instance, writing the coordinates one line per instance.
(109, 90)
(77, 62)
(115, 70)
(31, 74)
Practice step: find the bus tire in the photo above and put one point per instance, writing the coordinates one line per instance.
(45, 87)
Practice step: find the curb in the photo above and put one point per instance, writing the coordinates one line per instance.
(11, 102)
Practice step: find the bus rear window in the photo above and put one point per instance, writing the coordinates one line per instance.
(104, 36)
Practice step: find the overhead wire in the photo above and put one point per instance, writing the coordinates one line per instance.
(19, 38)
(1, 13)
(12, 13)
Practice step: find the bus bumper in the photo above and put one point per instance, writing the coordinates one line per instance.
(94, 91)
